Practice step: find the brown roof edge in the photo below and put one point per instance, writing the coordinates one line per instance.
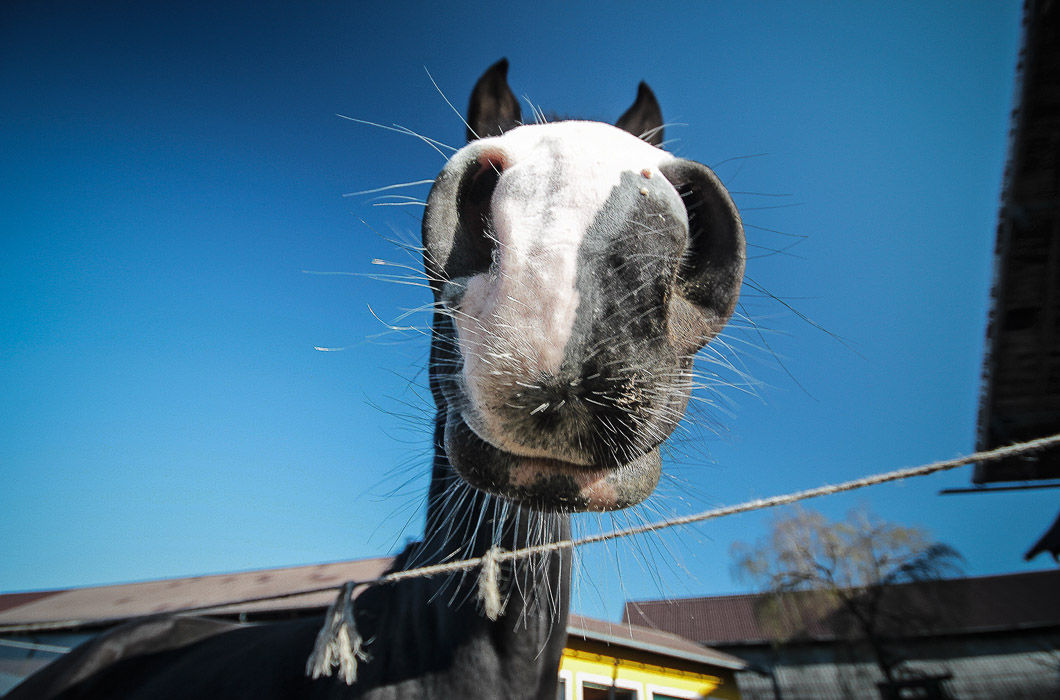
(649, 640)
(14, 600)
(253, 592)
(987, 604)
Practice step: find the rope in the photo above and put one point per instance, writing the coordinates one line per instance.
(497, 555)
(758, 504)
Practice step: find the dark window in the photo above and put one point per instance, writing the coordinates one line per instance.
(596, 691)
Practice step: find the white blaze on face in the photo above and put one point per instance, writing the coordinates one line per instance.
(516, 320)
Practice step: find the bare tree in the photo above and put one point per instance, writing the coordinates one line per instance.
(840, 578)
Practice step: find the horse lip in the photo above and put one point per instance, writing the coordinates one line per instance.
(553, 484)
(525, 454)
(530, 469)
(593, 486)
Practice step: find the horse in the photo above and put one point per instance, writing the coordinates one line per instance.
(576, 268)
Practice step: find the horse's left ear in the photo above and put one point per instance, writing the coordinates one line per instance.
(493, 108)
(644, 119)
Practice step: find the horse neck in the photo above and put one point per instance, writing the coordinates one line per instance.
(429, 636)
(431, 632)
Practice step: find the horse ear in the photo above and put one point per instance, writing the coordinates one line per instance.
(493, 108)
(644, 119)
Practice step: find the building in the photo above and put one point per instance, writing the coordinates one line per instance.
(1020, 398)
(990, 637)
(642, 664)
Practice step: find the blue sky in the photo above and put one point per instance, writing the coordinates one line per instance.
(169, 171)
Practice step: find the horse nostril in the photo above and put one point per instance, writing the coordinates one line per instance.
(712, 270)
(692, 199)
(476, 213)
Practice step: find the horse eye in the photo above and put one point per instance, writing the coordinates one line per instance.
(476, 214)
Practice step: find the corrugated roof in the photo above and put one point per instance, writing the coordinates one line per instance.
(654, 641)
(14, 600)
(100, 606)
(971, 605)
(99, 603)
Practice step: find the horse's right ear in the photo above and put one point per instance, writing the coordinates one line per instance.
(644, 119)
(493, 108)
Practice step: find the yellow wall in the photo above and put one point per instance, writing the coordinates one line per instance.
(577, 666)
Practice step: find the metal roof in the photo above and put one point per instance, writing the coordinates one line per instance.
(625, 634)
(972, 605)
(103, 606)
(99, 605)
